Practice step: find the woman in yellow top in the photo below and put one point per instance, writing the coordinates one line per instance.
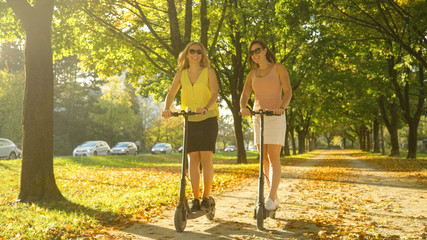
(199, 94)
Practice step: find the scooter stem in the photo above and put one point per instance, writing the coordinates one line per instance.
(261, 162)
(184, 163)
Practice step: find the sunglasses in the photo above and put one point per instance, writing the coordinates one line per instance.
(256, 51)
(193, 51)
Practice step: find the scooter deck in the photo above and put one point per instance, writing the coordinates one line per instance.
(197, 214)
(270, 213)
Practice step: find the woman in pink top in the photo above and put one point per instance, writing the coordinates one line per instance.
(270, 83)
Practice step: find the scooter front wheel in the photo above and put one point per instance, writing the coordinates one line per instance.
(260, 213)
(180, 219)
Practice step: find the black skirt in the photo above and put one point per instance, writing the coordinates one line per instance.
(202, 135)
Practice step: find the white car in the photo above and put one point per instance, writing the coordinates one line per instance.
(230, 148)
(162, 148)
(8, 149)
(124, 148)
(92, 148)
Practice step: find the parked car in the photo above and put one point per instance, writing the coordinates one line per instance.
(92, 148)
(124, 148)
(161, 148)
(9, 150)
(180, 149)
(230, 148)
(253, 148)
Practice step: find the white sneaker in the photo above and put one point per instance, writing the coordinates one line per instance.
(270, 204)
(276, 202)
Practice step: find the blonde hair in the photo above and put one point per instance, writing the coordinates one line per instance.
(183, 60)
(270, 55)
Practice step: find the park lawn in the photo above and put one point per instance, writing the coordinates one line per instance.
(116, 191)
(105, 193)
(412, 168)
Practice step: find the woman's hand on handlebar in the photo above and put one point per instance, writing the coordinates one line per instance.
(277, 111)
(201, 111)
(245, 112)
(166, 113)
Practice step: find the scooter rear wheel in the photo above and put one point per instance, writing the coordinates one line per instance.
(180, 219)
(211, 214)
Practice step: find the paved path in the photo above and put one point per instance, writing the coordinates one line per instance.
(329, 196)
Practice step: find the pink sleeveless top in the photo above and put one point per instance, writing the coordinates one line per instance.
(267, 89)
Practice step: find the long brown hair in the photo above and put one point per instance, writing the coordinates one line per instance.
(183, 60)
(270, 55)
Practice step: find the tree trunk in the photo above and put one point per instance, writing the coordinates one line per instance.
(404, 95)
(376, 136)
(414, 121)
(394, 138)
(344, 143)
(290, 129)
(362, 138)
(382, 140)
(238, 133)
(287, 151)
(391, 124)
(175, 34)
(37, 176)
(234, 81)
(204, 23)
(329, 140)
(301, 141)
(412, 140)
(303, 130)
(294, 145)
(368, 141)
(361, 141)
(313, 142)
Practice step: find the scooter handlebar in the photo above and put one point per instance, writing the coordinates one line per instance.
(182, 113)
(262, 112)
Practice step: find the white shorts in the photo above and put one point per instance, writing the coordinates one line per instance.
(274, 129)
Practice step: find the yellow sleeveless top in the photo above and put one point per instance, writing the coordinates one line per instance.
(197, 96)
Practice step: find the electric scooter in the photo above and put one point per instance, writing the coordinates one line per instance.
(260, 212)
(182, 211)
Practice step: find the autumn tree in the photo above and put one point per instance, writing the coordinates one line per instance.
(37, 176)
(398, 25)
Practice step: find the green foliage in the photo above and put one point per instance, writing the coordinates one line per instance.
(12, 84)
(166, 130)
(225, 132)
(335, 51)
(11, 95)
(10, 28)
(11, 57)
(76, 96)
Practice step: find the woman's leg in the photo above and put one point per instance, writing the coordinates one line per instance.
(194, 170)
(276, 169)
(208, 172)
